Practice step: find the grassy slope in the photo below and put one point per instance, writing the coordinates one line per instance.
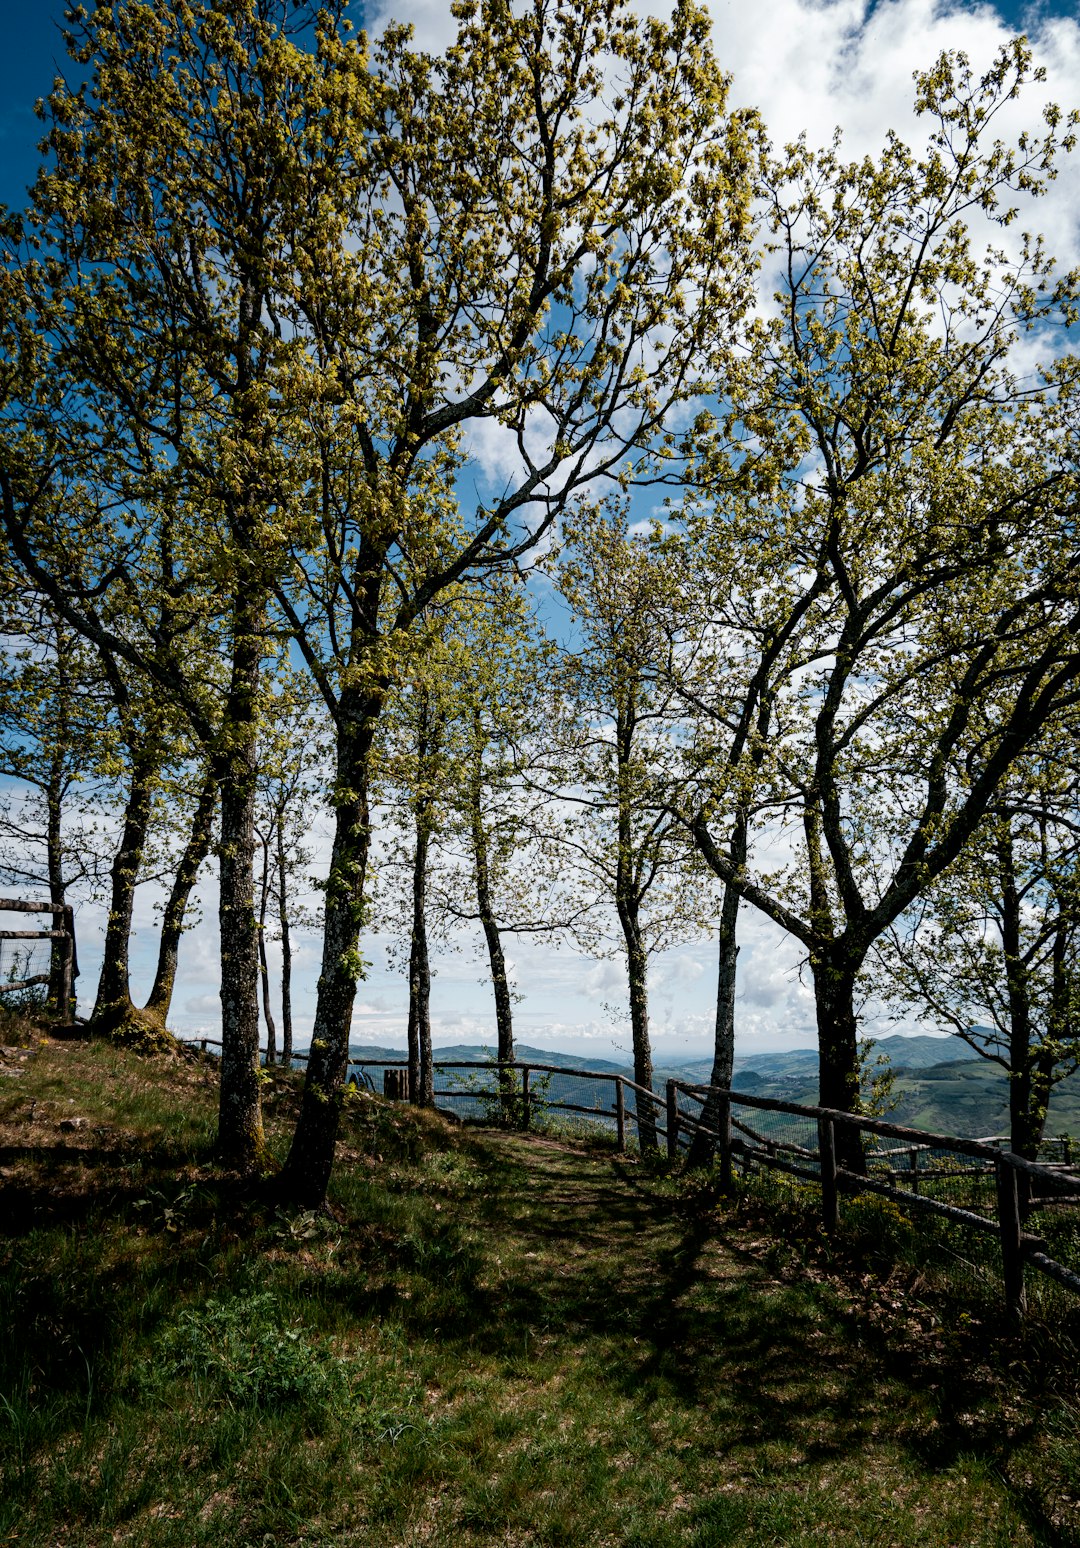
(491, 1341)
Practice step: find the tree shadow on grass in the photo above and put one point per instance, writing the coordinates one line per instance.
(684, 1309)
(677, 1308)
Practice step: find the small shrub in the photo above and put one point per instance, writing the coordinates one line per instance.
(238, 1353)
(242, 1356)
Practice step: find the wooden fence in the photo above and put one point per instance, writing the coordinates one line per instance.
(1001, 1191)
(1013, 1189)
(523, 1102)
(65, 935)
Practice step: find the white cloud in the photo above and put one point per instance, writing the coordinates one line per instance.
(203, 1005)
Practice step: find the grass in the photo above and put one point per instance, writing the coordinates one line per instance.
(488, 1340)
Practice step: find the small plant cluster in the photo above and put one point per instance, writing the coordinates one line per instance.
(243, 1352)
(237, 1351)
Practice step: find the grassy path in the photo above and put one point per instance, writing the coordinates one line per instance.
(656, 1382)
(493, 1341)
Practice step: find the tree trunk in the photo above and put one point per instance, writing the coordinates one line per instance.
(637, 975)
(54, 859)
(264, 971)
(504, 1017)
(628, 902)
(172, 924)
(838, 1050)
(1028, 1099)
(240, 1132)
(306, 1174)
(286, 950)
(421, 1074)
(1028, 1095)
(703, 1146)
(113, 1008)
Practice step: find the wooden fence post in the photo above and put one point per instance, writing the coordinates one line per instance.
(830, 1197)
(672, 1121)
(1012, 1256)
(526, 1103)
(620, 1114)
(396, 1085)
(67, 966)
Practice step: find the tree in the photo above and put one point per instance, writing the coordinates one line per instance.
(627, 839)
(291, 777)
(992, 949)
(198, 840)
(151, 752)
(458, 741)
(931, 575)
(58, 751)
(736, 624)
(503, 868)
(415, 775)
(546, 215)
(157, 374)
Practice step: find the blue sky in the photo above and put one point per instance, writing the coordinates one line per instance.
(33, 52)
(808, 64)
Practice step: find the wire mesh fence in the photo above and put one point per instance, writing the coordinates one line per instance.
(24, 966)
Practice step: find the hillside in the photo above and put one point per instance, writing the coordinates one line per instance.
(487, 1341)
(967, 1096)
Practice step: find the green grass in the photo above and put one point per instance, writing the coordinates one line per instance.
(489, 1340)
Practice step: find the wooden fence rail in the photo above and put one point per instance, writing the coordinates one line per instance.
(1020, 1187)
(616, 1115)
(1017, 1187)
(64, 933)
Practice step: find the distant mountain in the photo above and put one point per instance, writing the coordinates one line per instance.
(904, 1053)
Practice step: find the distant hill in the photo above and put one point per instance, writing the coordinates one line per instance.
(904, 1053)
(963, 1095)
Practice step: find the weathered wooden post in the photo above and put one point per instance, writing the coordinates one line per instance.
(1012, 1255)
(66, 977)
(395, 1085)
(830, 1197)
(672, 1121)
(526, 1102)
(620, 1114)
(913, 1167)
